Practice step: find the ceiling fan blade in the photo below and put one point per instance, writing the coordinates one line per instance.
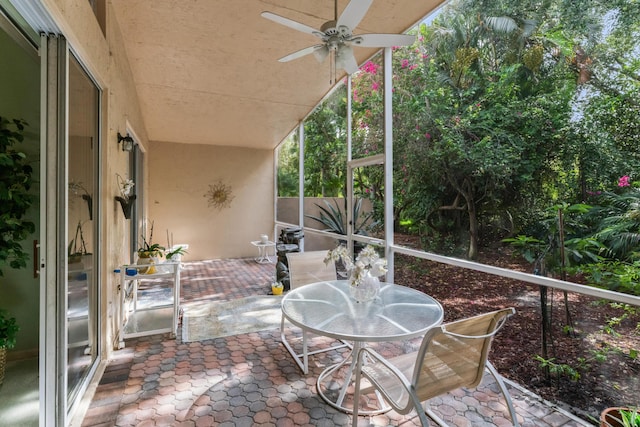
(383, 40)
(353, 13)
(292, 24)
(302, 52)
(346, 60)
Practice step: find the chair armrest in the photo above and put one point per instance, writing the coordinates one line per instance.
(387, 378)
(509, 312)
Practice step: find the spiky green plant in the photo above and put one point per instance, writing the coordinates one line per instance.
(335, 220)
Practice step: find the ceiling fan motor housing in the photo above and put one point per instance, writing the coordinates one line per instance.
(329, 28)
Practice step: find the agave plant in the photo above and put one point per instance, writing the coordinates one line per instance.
(334, 218)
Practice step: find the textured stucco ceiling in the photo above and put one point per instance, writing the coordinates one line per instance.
(206, 71)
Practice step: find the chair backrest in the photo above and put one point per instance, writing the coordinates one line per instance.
(309, 267)
(454, 355)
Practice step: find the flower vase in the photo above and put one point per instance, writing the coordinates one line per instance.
(146, 258)
(366, 289)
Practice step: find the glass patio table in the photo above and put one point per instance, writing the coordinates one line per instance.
(327, 309)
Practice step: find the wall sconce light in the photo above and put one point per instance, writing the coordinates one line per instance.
(127, 142)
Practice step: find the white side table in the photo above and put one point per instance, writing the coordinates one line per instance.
(161, 317)
(263, 251)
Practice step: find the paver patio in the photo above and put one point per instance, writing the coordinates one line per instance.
(251, 380)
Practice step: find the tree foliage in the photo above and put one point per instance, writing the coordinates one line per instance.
(500, 109)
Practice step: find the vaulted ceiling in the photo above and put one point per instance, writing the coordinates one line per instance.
(207, 71)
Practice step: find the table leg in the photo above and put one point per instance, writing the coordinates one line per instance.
(263, 255)
(328, 376)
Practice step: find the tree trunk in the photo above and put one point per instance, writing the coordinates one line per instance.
(473, 231)
(473, 222)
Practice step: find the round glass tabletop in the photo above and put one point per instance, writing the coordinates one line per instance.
(327, 308)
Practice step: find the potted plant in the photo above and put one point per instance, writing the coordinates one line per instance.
(175, 253)
(149, 252)
(277, 288)
(126, 198)
(8, 331)
(78, 190)
(620, 417)
(77, 248)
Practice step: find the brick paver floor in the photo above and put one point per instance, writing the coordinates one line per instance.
(251, 380)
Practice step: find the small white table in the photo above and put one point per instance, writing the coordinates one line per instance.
(162, 317)
(327, 309)
(263, 250)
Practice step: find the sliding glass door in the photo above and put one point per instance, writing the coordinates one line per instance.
(70, 342)
(82, 219)
(19, 290)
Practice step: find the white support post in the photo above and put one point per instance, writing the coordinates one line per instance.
(301, 181)
(388, 161)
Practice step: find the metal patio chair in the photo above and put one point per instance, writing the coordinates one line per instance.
(305, 268)
(451, 356)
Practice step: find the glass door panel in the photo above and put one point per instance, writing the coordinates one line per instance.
(19, 287)
(82, 301)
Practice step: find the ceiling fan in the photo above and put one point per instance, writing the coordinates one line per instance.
(338, 38)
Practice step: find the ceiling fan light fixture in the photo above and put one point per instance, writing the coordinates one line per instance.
(341, 55)
(321, 54)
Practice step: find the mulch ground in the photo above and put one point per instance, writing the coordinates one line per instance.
(591, 369)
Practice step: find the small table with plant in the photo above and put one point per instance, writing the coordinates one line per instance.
(157, 315)
(158, 311)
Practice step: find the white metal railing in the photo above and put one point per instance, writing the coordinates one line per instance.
(518, 275)
(485, 268)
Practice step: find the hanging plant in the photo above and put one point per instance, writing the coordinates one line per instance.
(78, 190)
(126, 198)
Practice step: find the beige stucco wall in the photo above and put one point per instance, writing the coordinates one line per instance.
(105, 59)
(177, 175)
(179, 178)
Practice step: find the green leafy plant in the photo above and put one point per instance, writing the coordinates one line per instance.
(558, 369)
(149, 249)
(173, 250)
(180, 250)
(621, 417)
(8, 330)
(15, 198)
(630, 418)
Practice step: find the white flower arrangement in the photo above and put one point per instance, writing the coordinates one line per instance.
(127, 196)
(125, 186)
(367, 261)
